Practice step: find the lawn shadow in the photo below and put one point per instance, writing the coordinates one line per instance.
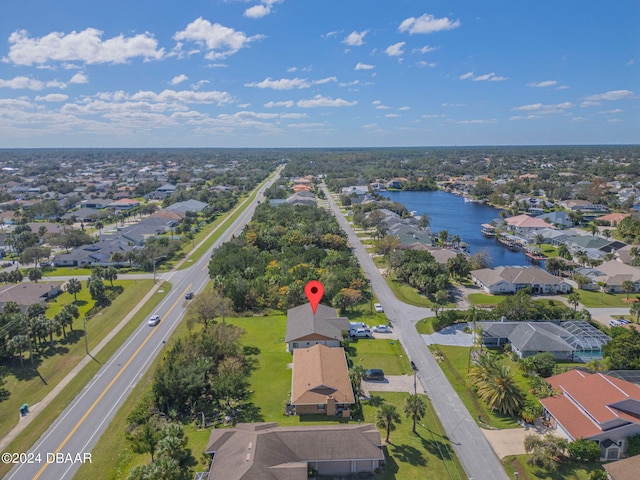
(375, 400)
(322, 418)
(408, 454)
(391, 468)
(250, 350)
(250, 413)
(72, 337)
(436, 447)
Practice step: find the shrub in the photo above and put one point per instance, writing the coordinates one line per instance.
(585, 450)
(633, 447)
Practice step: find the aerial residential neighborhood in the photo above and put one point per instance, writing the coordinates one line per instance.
(560, 314)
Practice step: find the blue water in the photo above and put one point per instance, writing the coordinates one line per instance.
(450, 212)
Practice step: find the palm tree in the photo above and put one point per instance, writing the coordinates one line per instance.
(414, 408)
(386, 417)
(593, 228)
(443, 236)
(627, 286)
(502, 392)
(574, 299)
(356, 374)
(73, 287)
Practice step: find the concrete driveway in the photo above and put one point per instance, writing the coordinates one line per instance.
(391, 383)
(511, 441)
(452, 335)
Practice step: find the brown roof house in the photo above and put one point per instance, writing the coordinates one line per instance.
(320, 382)
(266, 451)
(511, 279)
(28, 293)
(626, 469)
(304, 328)
(594, 406)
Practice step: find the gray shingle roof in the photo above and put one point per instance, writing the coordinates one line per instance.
(302, 322)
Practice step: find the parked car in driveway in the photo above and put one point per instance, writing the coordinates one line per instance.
(374, 374)
(378, 308)
(361, 333)
(381, 329)
(154, 320)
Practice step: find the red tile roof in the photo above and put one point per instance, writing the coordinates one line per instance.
(587, 401)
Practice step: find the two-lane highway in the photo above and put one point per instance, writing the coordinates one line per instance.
(71, 438)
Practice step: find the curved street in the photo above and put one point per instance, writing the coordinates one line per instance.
(471, 446)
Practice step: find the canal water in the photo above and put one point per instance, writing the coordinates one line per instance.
(450, 212)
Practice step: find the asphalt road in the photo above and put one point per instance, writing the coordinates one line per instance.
(71, 438)
(471, 446)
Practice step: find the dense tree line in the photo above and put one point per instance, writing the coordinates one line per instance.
(279, 251)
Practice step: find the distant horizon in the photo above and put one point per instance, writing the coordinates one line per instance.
(292, 74)
(400, 147)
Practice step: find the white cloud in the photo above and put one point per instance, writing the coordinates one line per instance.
(287, 104)
(427, 24)
(218, 40)
(79, 78)
(382, 107)
(542, 109)
(425, 49)
(26, 83)
(184, 96)
(612, 111)
(262, 10)
(86, 46)
(544, 84)
(355, 39)
(320, 101)
(611, 96)
(406, 107)
(178, 79)
(289, 83)
(477, 121)
(364, 66)
(487, 77)
(422, 63)
(392, 115)
(395, 50)
(52, 97)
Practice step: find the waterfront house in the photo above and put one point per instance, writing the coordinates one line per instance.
(501, 280)
(594, 406)
(267, 451)
(524, 224)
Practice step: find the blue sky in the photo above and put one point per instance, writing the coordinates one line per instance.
(330, 73)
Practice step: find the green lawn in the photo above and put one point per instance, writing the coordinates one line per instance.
(603, 300)
(566, 470)
(411, 456)
(548, 250)
(454, 365)
(53, 369)
(425, 326)
(485, 299)
(407, 294)
(378, 353)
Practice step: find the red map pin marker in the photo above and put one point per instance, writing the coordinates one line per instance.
(314, 291)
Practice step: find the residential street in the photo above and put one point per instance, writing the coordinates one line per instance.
(471, 446)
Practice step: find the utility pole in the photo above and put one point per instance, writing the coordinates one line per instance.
(86, 342)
